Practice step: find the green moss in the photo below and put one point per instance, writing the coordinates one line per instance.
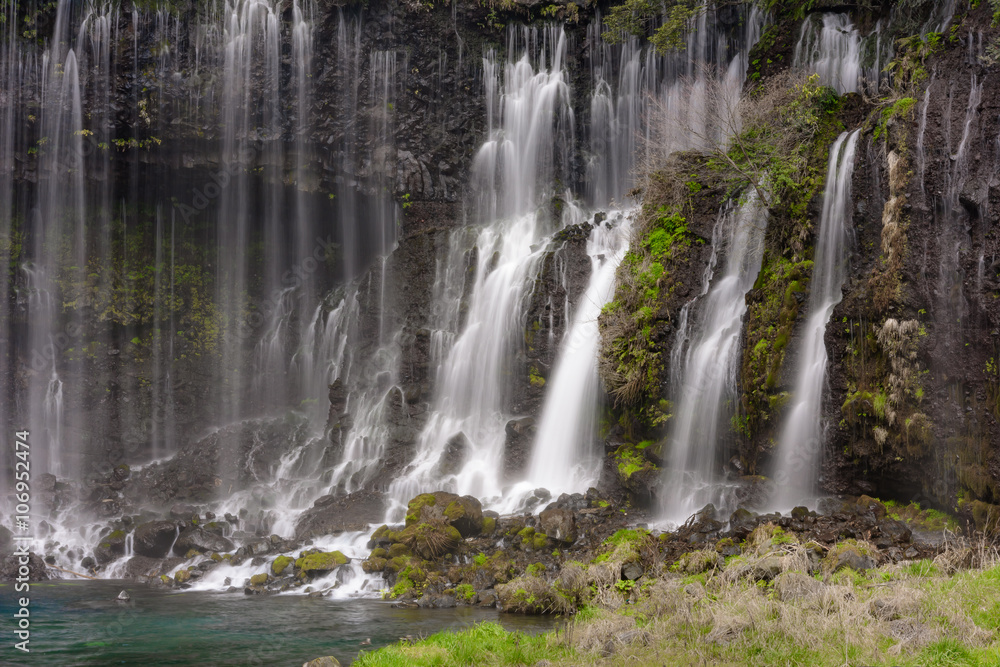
(116, 535)
(321, 562)
(489, 525)
(279, 565)
(415, 506)
(534, 378)
(536, 569)
(921, 519)
(259, 579)
(631, 460)
(397, 549)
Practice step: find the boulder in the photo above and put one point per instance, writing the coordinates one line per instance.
(153, 539)
(110, 547)
(558, 524)
(10, 565)
(453, 457)
(850, 553)
(320, 562)
(325, 661)
(465, 513)
(742, 522)
(202, 541)
(335, 514)
(6, 541)
(144, 567)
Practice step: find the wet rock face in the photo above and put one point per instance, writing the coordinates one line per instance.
(230, 458)
(155, 538)
(333, 514)
(11, 568)
(203, 541)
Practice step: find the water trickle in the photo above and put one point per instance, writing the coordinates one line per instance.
(709, 349)
(801, 440)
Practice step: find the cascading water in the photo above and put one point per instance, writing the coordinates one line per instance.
(530, 124)
(707, 354)
(564, 459)
(831, 48)
(800, 443)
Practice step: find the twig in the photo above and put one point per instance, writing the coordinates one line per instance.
(61, 569)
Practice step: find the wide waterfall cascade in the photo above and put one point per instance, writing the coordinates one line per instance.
(566, 457)
(800, 444)
(708, 351)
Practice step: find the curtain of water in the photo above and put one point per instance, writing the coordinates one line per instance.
(800, 442)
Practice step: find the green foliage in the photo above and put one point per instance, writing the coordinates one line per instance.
(900, 107)
(465, 592)
(909, 65)
(642, 17)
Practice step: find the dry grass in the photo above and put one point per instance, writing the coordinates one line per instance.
(912, 613)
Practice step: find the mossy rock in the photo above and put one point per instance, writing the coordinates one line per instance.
(489, 525)
(259, 579)
(280, 564)
(398, 549)
(463, 512)
(867, 504)
(379, 552)
(320, 562)
(532, 595)
(182, 576)
(431, 539)
(700, 561)
(216, 557)
(531, 540)
(852, 554)
(383, 537)
(373, 565)
(394, 565)
(415, 508)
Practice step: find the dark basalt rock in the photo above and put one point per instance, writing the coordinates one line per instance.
(558, 525)
(336, 514)
(10, 568)
(201, 540)
(155, 538)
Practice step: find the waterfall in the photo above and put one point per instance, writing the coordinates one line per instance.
(564, 457)
(530, 125)
(800, 444)
(707, 354)
(832, 49)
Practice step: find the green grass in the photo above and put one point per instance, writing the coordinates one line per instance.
(482, 644)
